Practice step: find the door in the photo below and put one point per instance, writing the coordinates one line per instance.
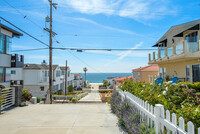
(196, 73)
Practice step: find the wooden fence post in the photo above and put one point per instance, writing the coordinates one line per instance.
(157, 111)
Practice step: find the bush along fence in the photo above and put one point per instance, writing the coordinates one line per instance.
(156, 117)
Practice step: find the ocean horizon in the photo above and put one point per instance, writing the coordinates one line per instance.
(99, 77)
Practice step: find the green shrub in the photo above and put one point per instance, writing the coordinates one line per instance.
(70, 88)
(26, 95)
(39, 99)
(173, 97)
(70, 98)
(59, 92)
(73, 99)
(2, 87)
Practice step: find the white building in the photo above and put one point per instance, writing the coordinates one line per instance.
(78, 81)
(6, 35)
(70, 76)
(36, 78)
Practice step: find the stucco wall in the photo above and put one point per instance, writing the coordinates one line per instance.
(178, 69)
(36, 91)
(145, 75)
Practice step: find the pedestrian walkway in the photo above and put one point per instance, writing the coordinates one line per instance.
(92, 97)
(60, 119)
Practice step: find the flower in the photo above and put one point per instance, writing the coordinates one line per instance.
(158, 95)
(143, 85)
(151, 83)
(142, 91)
(164, 92)
(166, 88)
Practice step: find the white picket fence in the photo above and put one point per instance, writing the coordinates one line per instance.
(8, 97)
(158, 118)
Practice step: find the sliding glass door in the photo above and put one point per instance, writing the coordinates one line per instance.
(196, 73)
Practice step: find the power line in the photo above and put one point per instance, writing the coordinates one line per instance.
(24, 32)
(25, 16)
(30, 49)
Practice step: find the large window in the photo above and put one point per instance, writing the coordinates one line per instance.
(13, 72)
(8, 74)
(162, 50)
(8, 44)
(164, 72)
(2, 44)
(192, 42)
(187, 72)
(63, 72)
(196, 73)
(133, 75)
(138, 75)
(161, 72)
(1, 74)
(57, 73)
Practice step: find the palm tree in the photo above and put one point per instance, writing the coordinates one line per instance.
(85, 70)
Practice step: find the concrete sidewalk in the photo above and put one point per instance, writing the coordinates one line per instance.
(92, 97)
(60, 119)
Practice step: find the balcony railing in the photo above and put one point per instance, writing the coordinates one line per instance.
(179, 49)
(170, 51)
(162, 53)
(192, 46)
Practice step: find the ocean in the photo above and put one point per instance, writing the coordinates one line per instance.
(99, 77)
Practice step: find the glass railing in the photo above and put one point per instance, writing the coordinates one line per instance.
(170, 51)
(156, 55)
(151, 58)
(162, 53)
(192, 46)
(179, 49)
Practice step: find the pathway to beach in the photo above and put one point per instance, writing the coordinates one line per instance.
(94, 96)
(79, 118)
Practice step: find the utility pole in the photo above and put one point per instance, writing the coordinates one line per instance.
(51, 34)
(66, 79)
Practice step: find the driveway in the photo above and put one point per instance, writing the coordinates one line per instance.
(60, 119)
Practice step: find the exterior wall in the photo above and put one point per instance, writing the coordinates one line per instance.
(145, 75)
(178, 69)
(18, 74)
(36, 91)
(5, 60)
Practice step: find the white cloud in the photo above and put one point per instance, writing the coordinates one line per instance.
(135, 9)
(124, 54)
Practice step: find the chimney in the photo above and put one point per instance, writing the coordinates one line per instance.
(44, 62)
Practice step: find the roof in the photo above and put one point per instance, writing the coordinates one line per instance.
(148, 68)
(77, 74)
(38, 66)
(178, 29)
(64, 68)
(121, 79)
(15, 33)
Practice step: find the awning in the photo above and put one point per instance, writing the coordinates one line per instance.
(196, 27)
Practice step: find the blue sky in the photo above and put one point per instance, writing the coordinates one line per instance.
(97, 24)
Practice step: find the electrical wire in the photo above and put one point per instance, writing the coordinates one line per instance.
(24, 32)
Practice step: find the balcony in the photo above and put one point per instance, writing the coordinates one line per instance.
(176, 52)
(17, 61)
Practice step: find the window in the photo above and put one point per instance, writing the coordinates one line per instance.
(164, 72)
(192, 42)
(63, 72)
(138, 75)
(8, 74)
(46, 73)
(2, 44)
(68, 73)
(8, 44)
(133, 75)
(161, 72)
(57, 73)
(13, 72)
(187, 72)
(1, 74)
(42, 88)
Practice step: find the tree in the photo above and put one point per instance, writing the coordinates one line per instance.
(85, 70)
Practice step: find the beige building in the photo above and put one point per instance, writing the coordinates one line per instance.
(178, 52)
(146, 74)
